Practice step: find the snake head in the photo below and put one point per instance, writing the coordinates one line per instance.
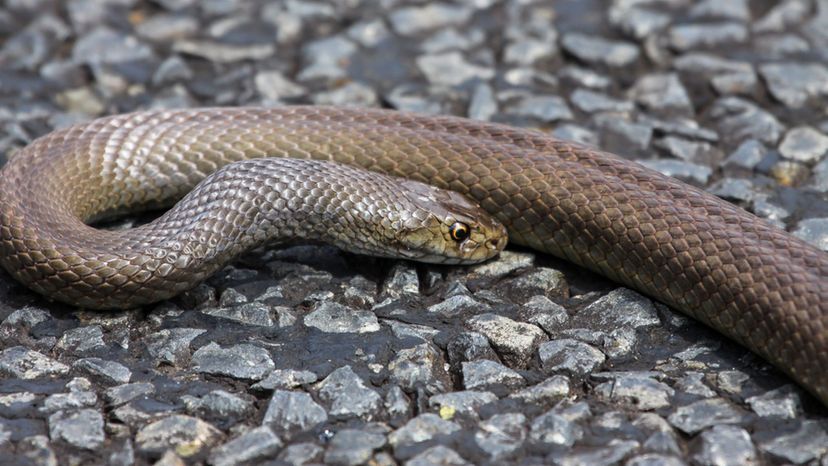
(446, 227)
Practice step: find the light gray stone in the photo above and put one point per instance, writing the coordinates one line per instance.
(289, 411)
(808, 442)
(348, 396)
(244, 361)
(701, 414)
(571, 356)
(186, 435)
(82, 428)
(491, 376)
(332, 317)
(514, 341)
(26, 364)
(726, 445)
(598, 50)
(794, 83)
(804, 144)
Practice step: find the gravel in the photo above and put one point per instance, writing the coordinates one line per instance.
(307, 355)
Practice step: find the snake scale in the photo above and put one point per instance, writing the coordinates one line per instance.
(689, 249)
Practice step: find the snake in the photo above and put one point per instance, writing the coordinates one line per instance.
(704, 256)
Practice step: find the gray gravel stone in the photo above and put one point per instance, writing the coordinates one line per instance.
(483, 104)
(630, 137)
(622, 307)
(26, 364)
(452, 39)
(171, 345)
(81, 339)
(784, 403)
(352, 93)
(814, 231)
(542, 311)
(636, 391)
(451, 69)
(794, 84)
(726, 445)
(79, 396)
(505, 263)
(255, 313)
(782, 15)
(421, 365)
(527, 51)
(458, 304)
(514, 341)
(571, 356)
(733, 9)
(402, 280)
(740, 119)
(804, 144)
(167, 27)
(735, 83)
(684, 149)
(546, 108)
(469, 346)
(369, 33)
(397, 404)
(731, 381)
(217, 404)
(491, 376)
(693, 384)
(104, 45)
(614, 451)
(747, 155)
(120, 394)
(501, 435)
(348, 396)
(707, 35)
(222, 52)
(550, 390)
(412, 20)
(83, 428)
(421, 429)
(691, 173)
(636, 21)
(332, 317)
(286, 378)
(654, 459)
(438, 455)
(352, 447)
(171, 70)
(598, 50)
(569, 132)
(301, 453)
(293, 410)
(464, 402)
(254, 445)
(244, 361)
(591, 101)
(661, 92)
(27, 317)
(108, 371)
(552, 429)
(808, 442)
(187, 435)
(701, 414)
(326, 58)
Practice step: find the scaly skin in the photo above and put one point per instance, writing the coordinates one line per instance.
(689, 249)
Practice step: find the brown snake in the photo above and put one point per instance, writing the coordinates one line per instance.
(706, 257)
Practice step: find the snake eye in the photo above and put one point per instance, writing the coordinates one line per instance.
(459, 231)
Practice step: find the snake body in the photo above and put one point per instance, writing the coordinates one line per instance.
(689, 249)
